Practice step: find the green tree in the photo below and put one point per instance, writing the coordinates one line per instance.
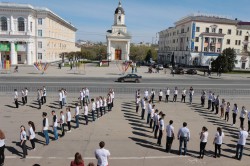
(148, 56)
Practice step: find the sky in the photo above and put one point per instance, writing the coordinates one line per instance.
(144, 18)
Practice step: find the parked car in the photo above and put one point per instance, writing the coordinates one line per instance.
(130, 78)
(191, 71)
(159, 67)
(178, 71)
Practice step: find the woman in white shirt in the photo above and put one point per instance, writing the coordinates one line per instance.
(203, 143)
(183, 95)
(86, 112)
(23, 138)
(235, 112)
(104, 104)
(160, 95)
(227, 112)
(175, 94)
(218, 139)
(62, 123)
(138, 99)
(32, 134)
(191, 94)
(2, 147)
(167, 94)
(222, 108)
(101, 105)
(23, 96)
(243, 114)
(161, 129)
(68, 118)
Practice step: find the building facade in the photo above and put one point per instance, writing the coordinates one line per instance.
(197, 40)
(33, 34)
(118, 39)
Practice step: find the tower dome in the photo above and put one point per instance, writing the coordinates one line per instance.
(119, 9)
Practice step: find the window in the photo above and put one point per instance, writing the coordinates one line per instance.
(187, 39)
(40, 44)
(39, 56)
(205, 49)
(219, 40)
(213, 30)
(4, 26)
(20, 21)
(240, 33)
(196, 48)
(229, 31)
(182, 30)
(197, 39)
(188, 29)
(220, 31)
(239, 42)
(40, 33)
(236, 42)
(40, 21)
(228, 41)
(207, 30)
(19, 58)
(31, 26)
(197, 29)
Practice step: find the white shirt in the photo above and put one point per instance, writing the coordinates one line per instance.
(46, 127)
(26, 92)
(105, 103)
(228, 109)
(16, 95)
(87, 92)
(102, 156)
(63, 94)
(32, 134)
(191, 92)
(184, 92)
(23, 93)
(60, 96)
(113, 95)
(160, 93)
(81, 95)
(204, 137)
(86, 110)
(210, 96)
(218, 138)
(162, 125)
(55, 121)
(149, 108)
(62, 119)
(97, 104)
(242, 137)
(168, 92)
(170, 130)
(176, 92)
(243, 113)
(2, 143)
(137, 101)
(101, 103)
(68, 116)
(235, 110)
(146, 93)
(143, 104)
(93, 106)
(184, 132)
(44, 92)
(23, 136)
(152, 113)
(77, 110)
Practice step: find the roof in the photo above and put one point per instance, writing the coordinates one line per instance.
(119, 9)
(10, 5)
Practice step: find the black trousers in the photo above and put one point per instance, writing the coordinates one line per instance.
(44, 99)
(175, 98)
(227, 116)
(169, 143)
(202, 148)
(234, 118)
(156, 130)
(159, 138)
(62, 129)
(137, 109)
(33, 145)
(151, 123)
(217, 109)
(17, 104)
(183, 98)
(24, 148)
(23, 100)
(152, 98)
(39, 103)
(2, 156)
(142, 113)
(209, 104)
(212, 106)
(248, 126)
(26, 99)
(217, 147)
(160, 97)
(86, 119)
(242, 122)
(69, 125)
(61, 105)
(167, 96)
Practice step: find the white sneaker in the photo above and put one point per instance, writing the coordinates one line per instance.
(68, 131)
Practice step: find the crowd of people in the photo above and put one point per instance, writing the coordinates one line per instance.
(155, 119)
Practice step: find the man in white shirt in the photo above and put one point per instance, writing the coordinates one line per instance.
(160, 95)
(81, 99)
(93, 109)
(137, 104)
(149, 111)
(183, 136)
(152, 95)
(16, 98)
(210, 99)
(143, 107)
(170, 136)
(175, 94)
(167, 94)
(45, 127)
(243, 135)
(26, 95)
(161, 129)
(63, 97)
(44, 94)
(77, 111)
(102, 155)
(60, 98)
(146, 94)
(55, 125)
(183, 95)
(87, 95)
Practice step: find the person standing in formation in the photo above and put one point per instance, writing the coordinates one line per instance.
(143, 107)
(156, 122)
(227, 112)
(160, 95)
(184, 137)
(63, 97)
(93, 109)
(203, 143)
(26, 95)
(60, 99)
(146, 94)
(77, 112)
(113, 98)
(87, 95)
(2, 147)
(41, 93)
(218, 140)
(45, 128)
(32, 134)
(167, 93)
(81, 99)
(98, 107)
(101, 105)
(62, 123)
(222, 108)
(86, 113)
(191, 94)
(104, 104)
(137, 104)
(217, 104)
(210, 98)
(23, 139)
(213, 102)
(68, 118)
(102, 155)
(152, 97)
(83, 95)
(235, 112)
(183, 96)
(175, 94)
(23, 96)
(44, 94)
(203, 98)
(243, 135)
(248, 115)
(243, 114)
(39, 98)
(149, 111)
(109, 99)
(170, 136)
(55, 124)
(152, 116)
(16, 98)
(161, 129)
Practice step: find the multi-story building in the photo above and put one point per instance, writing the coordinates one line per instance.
(199, 39)
(33, 34)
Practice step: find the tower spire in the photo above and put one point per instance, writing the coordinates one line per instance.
(120, 3)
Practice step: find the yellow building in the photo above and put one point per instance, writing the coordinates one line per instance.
(33, 34)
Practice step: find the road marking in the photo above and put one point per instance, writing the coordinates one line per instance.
(92, 158)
